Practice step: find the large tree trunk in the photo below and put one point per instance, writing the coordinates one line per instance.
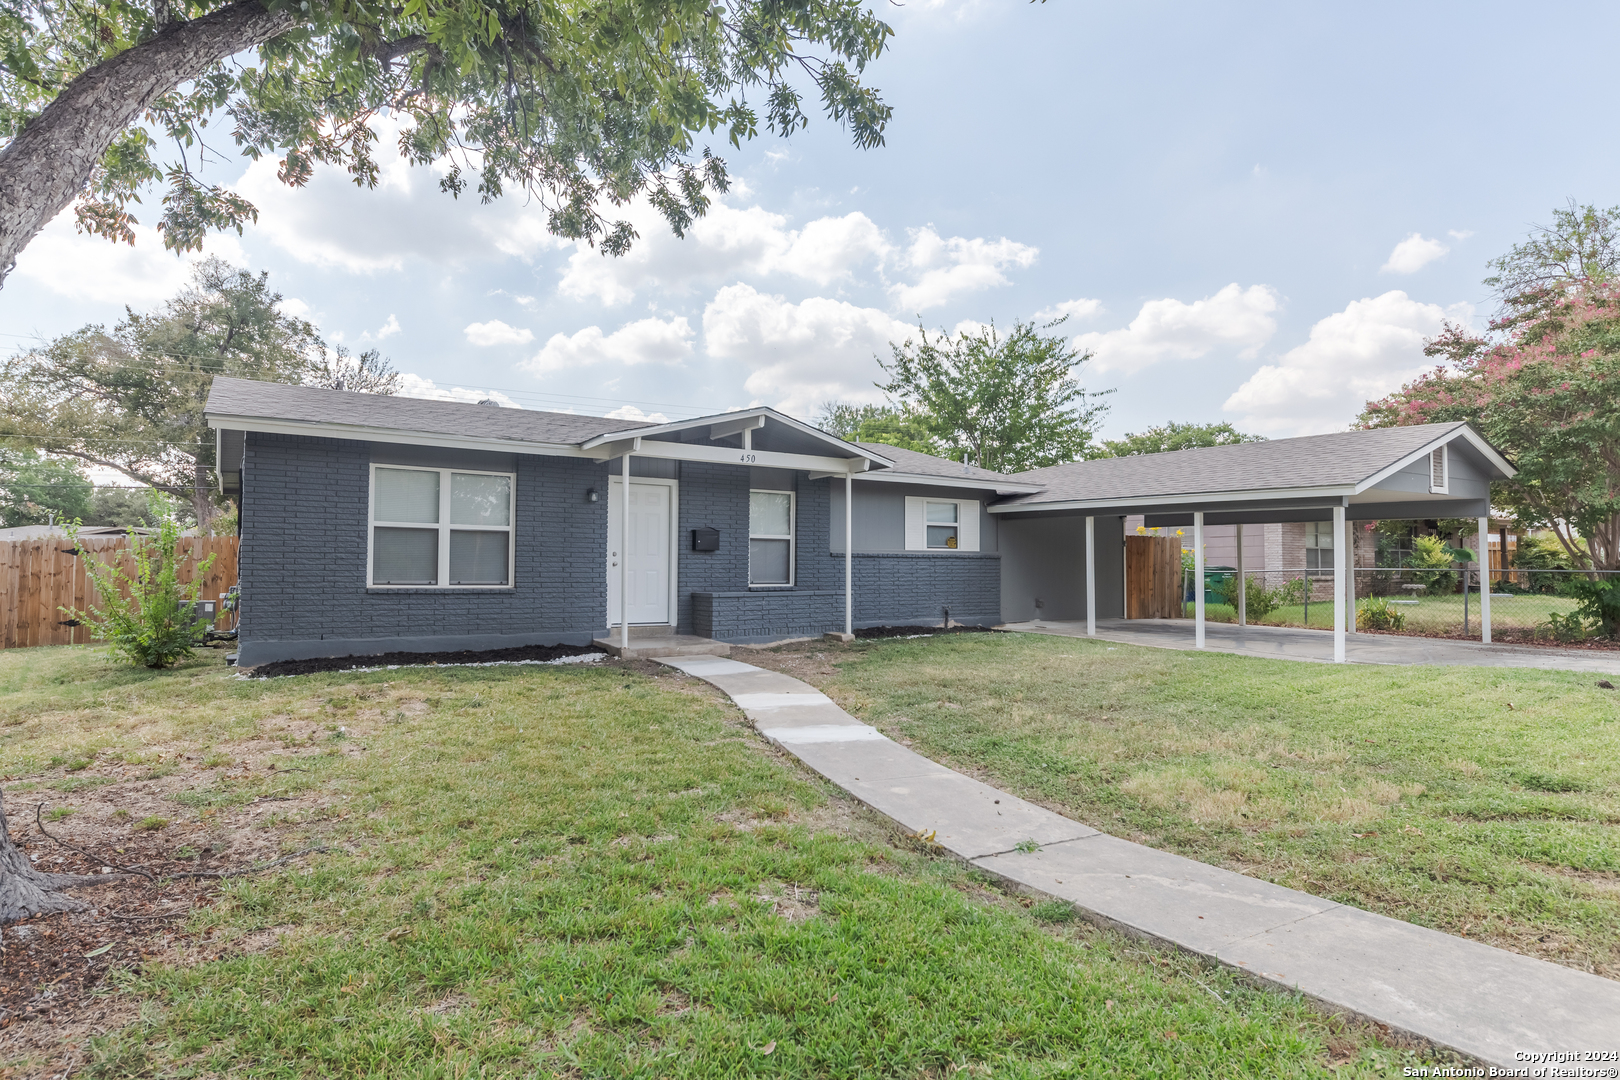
(202, 499)
(26, 892)
(51, 160)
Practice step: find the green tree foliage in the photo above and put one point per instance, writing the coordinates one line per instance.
(1542, 384)
(1174, 436)
(886, 424)
(582, 104)
(38, 490)
(148, 617)
(1005, 403)
(120, 508)
(131, 398)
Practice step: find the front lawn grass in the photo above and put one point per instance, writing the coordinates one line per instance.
(1480, 801)
(591, 871)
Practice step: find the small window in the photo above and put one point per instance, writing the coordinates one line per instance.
(1319, 545)
(1437, 471)
(943, 522)
(434, 528)
(770, 537)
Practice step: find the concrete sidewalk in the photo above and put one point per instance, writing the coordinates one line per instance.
(1455, 993)
(1297, 643)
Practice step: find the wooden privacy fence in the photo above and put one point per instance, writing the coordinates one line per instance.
(1153, 581)
(40, 577)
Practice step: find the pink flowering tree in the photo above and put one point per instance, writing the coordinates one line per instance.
(1543, 385)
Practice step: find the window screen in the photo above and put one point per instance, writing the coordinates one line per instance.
(478, 558)
(407, 495)
(770, 538)
(405, 556)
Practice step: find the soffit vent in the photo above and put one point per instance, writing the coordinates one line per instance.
(1437, 469)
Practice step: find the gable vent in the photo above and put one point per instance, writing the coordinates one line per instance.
(1437, 470)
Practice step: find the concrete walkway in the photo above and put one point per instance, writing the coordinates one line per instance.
(1480, 1001)
(1297, 643)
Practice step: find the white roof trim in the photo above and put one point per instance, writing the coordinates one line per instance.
(412, 436)
(1337, 491)
(1464, 432)
(848, 449)
(894, 476)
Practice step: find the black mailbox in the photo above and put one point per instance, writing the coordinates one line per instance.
(705, 539)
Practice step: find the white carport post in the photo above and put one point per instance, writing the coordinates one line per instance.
(1198, 579)
(624, 561)
(1242, 585)
(849, 554)
(1347, 537)
(1485, 579)
(1338, 585)
(1091, 576)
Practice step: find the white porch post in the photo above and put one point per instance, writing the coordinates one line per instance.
(1347, 537)
(1198, 579)
(1091, 576)
(624, 559)
(1485, 579)
(849, 554)
(1338, 585)
(1242, 584)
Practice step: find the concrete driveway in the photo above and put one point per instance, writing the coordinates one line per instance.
(1316, 646)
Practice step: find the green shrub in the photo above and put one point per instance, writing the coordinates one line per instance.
(149, 619)
(1566, 627)
(1377, 613)
(1599, 603)
(1433, 557)
(1260, 601)
(1537, 553)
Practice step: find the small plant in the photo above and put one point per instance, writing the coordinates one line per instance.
(1566, 627)
(59, 812)
(1433, 557)
(1260, 601)
(1377, 613)
(1027, 846)
(121, 814)
(150, 618)
(151, 824)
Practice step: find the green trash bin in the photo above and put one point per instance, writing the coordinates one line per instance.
(1215, 579)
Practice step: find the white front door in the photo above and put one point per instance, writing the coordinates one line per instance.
(651, 505)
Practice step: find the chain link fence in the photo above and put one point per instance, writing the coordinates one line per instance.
(1526, 605)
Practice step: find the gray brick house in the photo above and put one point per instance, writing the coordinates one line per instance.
(374, 524)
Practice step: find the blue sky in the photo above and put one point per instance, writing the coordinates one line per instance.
(1251, 213)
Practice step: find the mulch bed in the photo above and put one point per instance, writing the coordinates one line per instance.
(531, 653)
(914, 631)
(50, 964)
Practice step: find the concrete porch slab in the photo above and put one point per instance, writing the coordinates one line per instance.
(653, 646)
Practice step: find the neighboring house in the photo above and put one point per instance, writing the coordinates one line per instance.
(373, 524)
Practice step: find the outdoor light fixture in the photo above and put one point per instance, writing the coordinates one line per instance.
(593, 495)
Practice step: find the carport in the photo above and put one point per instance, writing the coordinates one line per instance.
(1419, 472)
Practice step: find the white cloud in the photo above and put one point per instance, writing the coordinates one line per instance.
(630, 412)
(727, 242)
(646, 341)
(1460, 235)
(1413, 254)
(950, 267)
(406, 218)
(386, 330)
(417, 387)
(800, 355)
(1077, 310)
(496, 332)
(1366, 351)
(1171, 330)
(92, 268)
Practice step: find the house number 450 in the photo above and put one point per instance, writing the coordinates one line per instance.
(746, 458)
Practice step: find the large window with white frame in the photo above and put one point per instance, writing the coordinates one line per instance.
(770, 537)
(440, 528)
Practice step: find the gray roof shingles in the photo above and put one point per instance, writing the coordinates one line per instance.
(1311, 461)
(920, 464)
(281, 401)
